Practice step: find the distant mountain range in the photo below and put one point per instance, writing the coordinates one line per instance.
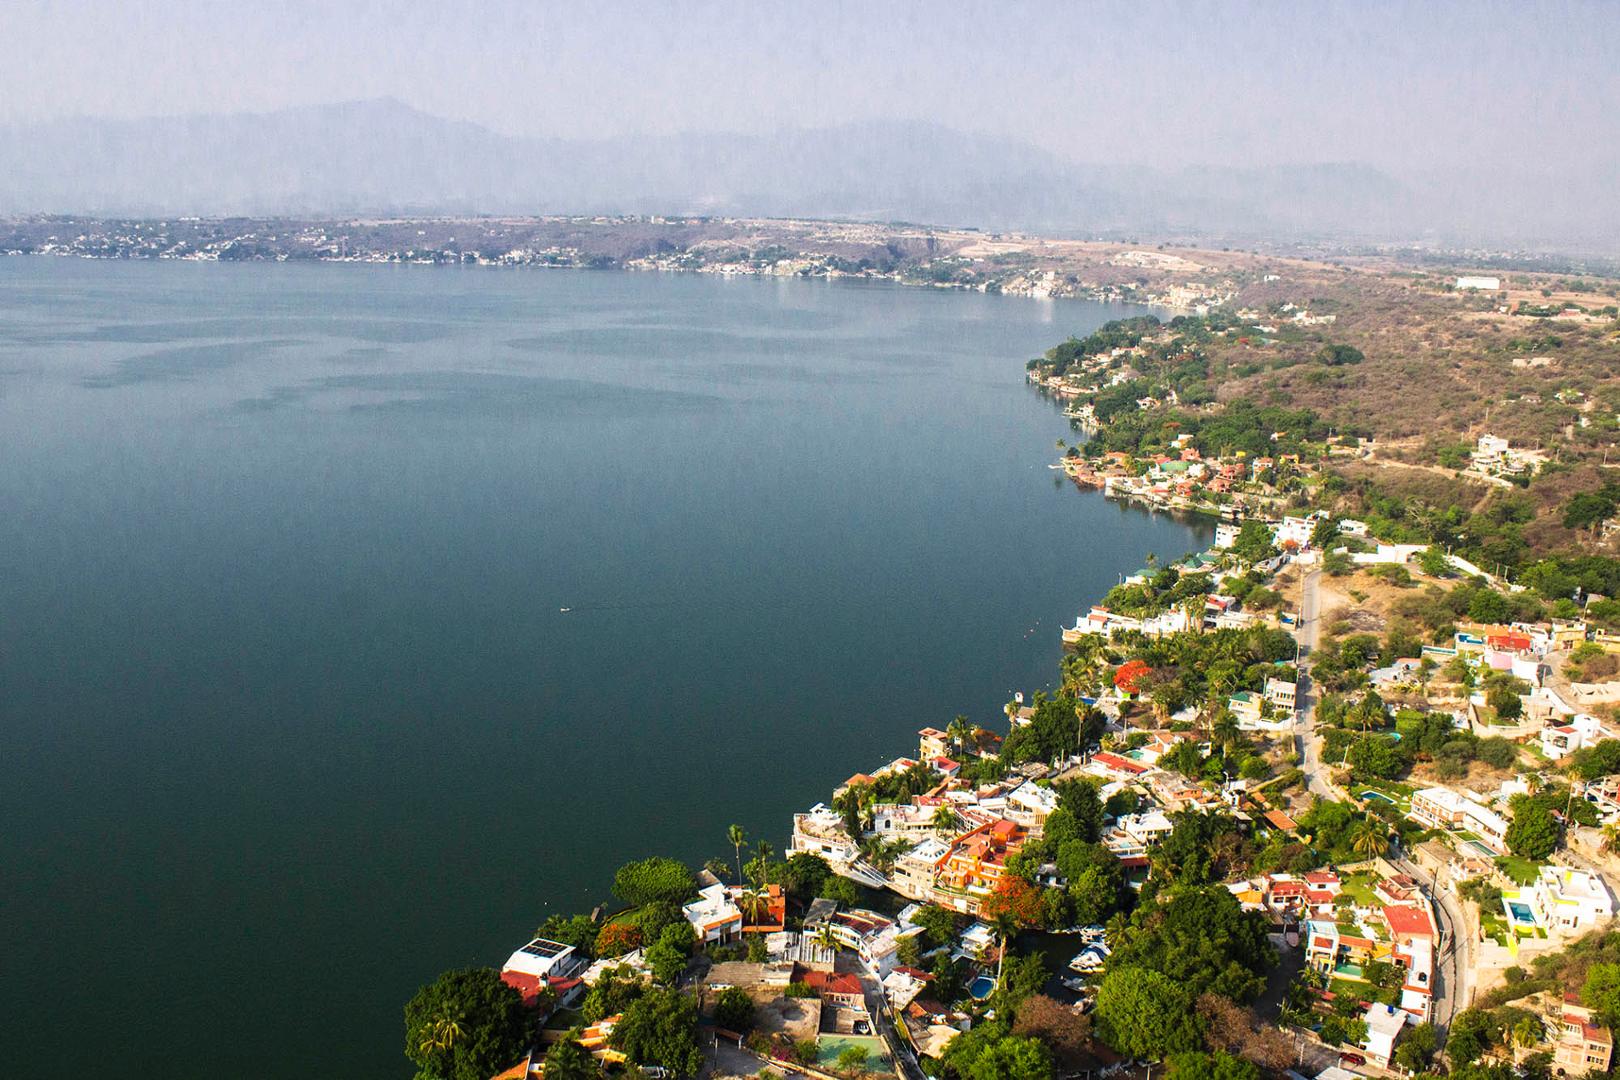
(383, 157)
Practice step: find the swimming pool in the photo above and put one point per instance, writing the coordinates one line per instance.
(1521, 912)
(1368, 796)
(982, 987)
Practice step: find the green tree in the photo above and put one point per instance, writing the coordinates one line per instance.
(1601, 992)
(804, 874)
(1144, 1013)
(1534, 832)
(651, 880)
(612, 994)
(1080, 799)
(734, 1009)
(1197, 1065)
(841, 890)
(465, 1025)
(576, 930)
(568, 1060)
(738, 838)
(659, 1028)
(1370, 839)
(1416, 1048)
(938, 925)
(991, 1052)
(1253, 543)
(1472, 1033)
(1202, 940)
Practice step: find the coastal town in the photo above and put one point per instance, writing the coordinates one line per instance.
(1338, 796)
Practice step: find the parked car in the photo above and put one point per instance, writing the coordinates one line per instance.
(1351, 1059)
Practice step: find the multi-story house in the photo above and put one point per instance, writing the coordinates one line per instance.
(1582, 1047)
(1442, 808)
(975, 864)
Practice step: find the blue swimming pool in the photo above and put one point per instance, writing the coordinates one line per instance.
(1521, 912)
(1368, 796)
(982, 987)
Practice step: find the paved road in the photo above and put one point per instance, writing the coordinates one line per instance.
(1307, 743)
(877, 1006)
(1454, 954)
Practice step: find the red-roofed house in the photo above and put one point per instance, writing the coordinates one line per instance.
(836, 987)
(1583, 1046)
(1407, 923)
(1120, 767)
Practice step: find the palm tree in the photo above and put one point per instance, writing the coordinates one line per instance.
(824, 937)
(442, 1034)
(1369, 839)
(754, 905)
(738, 838)
(762, 863)
(1528, 1031)
(946, 819)
(959, 732)
(1223, 730)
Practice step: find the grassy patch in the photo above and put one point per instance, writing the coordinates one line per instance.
(1521, 870)
(1359, 887)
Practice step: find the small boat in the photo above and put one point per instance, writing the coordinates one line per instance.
(565, 610)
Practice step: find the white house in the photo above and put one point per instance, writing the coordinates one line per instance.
(544, 959)
(1479, 284)
(1578, 732)
(1282, 693)
(714, 918)
(1442, 808)
(1296, 529)
(1384, 1023)
(1148, 828)
(1567, 899)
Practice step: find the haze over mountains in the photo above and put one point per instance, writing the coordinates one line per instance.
(384, 157)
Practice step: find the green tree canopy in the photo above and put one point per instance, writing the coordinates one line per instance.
(568, 1060)
(734, 1009)
(1202, 940)
(651, 880)
(1601, 993)
(465, 1025)
(660, 1028)
(1534, 832)
(1197, 1065)
(991, 1052)
(1144, 1013)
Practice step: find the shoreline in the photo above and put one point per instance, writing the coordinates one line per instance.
(1095, 295)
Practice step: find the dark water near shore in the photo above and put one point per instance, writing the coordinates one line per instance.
(289, 717)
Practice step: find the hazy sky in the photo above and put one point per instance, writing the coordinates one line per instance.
(1407, 86)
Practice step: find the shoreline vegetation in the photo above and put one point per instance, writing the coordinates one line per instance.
(1375, 421)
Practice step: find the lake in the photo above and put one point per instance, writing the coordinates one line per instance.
(291, 715)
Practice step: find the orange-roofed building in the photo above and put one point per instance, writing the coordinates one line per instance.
(975, 864)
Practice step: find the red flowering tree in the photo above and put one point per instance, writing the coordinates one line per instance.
(1015, 902)
(616, 939)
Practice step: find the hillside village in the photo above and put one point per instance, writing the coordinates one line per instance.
(1400, 837)
(1337, 797)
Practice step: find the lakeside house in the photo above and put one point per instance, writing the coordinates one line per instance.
(714, 917)
(544, 965)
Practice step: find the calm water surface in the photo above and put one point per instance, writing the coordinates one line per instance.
(290, 719)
